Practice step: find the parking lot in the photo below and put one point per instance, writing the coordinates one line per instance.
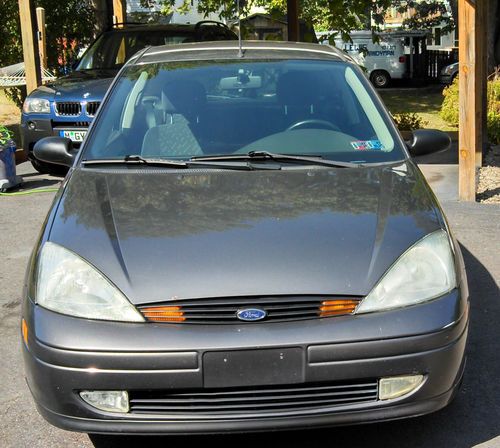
(473, 419)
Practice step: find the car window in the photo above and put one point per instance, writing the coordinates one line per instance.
(113, 49)
(192, 108)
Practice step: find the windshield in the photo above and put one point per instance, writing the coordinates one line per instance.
(179, 110)
(113, 49)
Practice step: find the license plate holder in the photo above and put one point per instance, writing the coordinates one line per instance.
(240, 368)
(76, 136)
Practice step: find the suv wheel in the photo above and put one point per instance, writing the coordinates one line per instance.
(48, 168)
(380, 79)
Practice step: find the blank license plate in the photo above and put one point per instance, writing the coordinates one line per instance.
(253, 367)
(76, 136)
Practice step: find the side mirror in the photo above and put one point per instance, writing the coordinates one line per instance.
(58, 150)
(427, 141)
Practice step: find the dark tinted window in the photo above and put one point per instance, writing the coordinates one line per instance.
(114, 48)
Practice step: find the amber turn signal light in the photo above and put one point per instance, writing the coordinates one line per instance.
(337, 307)
(163, 314)
(24, 330)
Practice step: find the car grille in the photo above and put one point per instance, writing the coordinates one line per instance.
(271, 399)
(92, 108)
(68, 109)
(225, 310)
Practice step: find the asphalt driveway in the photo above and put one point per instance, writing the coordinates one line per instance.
(473, 419)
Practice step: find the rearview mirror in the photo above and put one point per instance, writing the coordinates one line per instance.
(426, 141)
(58, 150)
(241, 82)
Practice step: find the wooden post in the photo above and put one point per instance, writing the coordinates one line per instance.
(484, 11)
(471, 64)
(42, 38)
(293, 20)
(30, 45)
(119, 11)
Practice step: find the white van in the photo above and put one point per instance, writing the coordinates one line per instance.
(383, 61)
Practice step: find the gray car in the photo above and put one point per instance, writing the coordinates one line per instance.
(448, 73)
(243, 242)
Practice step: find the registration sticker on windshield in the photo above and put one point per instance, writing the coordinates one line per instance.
(368, 145)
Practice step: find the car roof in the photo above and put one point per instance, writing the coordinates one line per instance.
(230, 50)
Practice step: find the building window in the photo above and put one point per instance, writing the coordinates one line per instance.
(437, 36)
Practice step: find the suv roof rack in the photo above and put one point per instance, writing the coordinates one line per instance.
(116, 25)
(201, 23)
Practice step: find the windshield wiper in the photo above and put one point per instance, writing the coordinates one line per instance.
(277, 157)
(139, 160)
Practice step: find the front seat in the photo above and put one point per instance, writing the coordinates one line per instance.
(298, 93)
(177, 121)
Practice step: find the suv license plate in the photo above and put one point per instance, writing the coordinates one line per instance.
(76, 136)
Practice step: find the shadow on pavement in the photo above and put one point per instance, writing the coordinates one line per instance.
(471, 419)
(39, 183)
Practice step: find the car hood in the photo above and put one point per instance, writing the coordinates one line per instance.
(160, 234)
(78, 85)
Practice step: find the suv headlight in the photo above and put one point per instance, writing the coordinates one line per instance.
(425, 271)
(36, 105)
(69, 285)
(448, 70)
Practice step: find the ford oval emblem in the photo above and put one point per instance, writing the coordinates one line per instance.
(251, 314)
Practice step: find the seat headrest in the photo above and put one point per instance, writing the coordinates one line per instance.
(183, 96)
(297, 89)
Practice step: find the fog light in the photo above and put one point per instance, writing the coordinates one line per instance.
(107, 400)
(397, 386)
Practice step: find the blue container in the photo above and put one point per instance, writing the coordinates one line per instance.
(8, 178)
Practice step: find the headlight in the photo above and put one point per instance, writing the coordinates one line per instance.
(69, 285)
(423, 272)
(448, 70)
(36, 105)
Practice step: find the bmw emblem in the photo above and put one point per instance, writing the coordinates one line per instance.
(251, 314)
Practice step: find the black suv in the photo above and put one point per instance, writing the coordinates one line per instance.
(66, 106)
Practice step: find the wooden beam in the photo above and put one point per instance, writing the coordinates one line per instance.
(42, 37)
(293, 20)
(119, 11)
(30, 45)
(483, 55)
(472, 64)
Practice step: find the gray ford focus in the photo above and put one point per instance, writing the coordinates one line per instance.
(243, 242)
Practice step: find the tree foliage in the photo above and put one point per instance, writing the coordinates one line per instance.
(69, 27)
(343, 16)
(426, 14)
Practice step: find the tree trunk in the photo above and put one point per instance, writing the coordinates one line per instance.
(103, 15)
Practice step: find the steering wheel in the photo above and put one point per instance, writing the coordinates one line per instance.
(323, 123)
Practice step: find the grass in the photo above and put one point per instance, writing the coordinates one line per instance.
(10, 116)
(424, 101)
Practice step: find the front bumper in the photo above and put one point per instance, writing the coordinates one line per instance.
(36, 127)
(66, 355)
(446, 79)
